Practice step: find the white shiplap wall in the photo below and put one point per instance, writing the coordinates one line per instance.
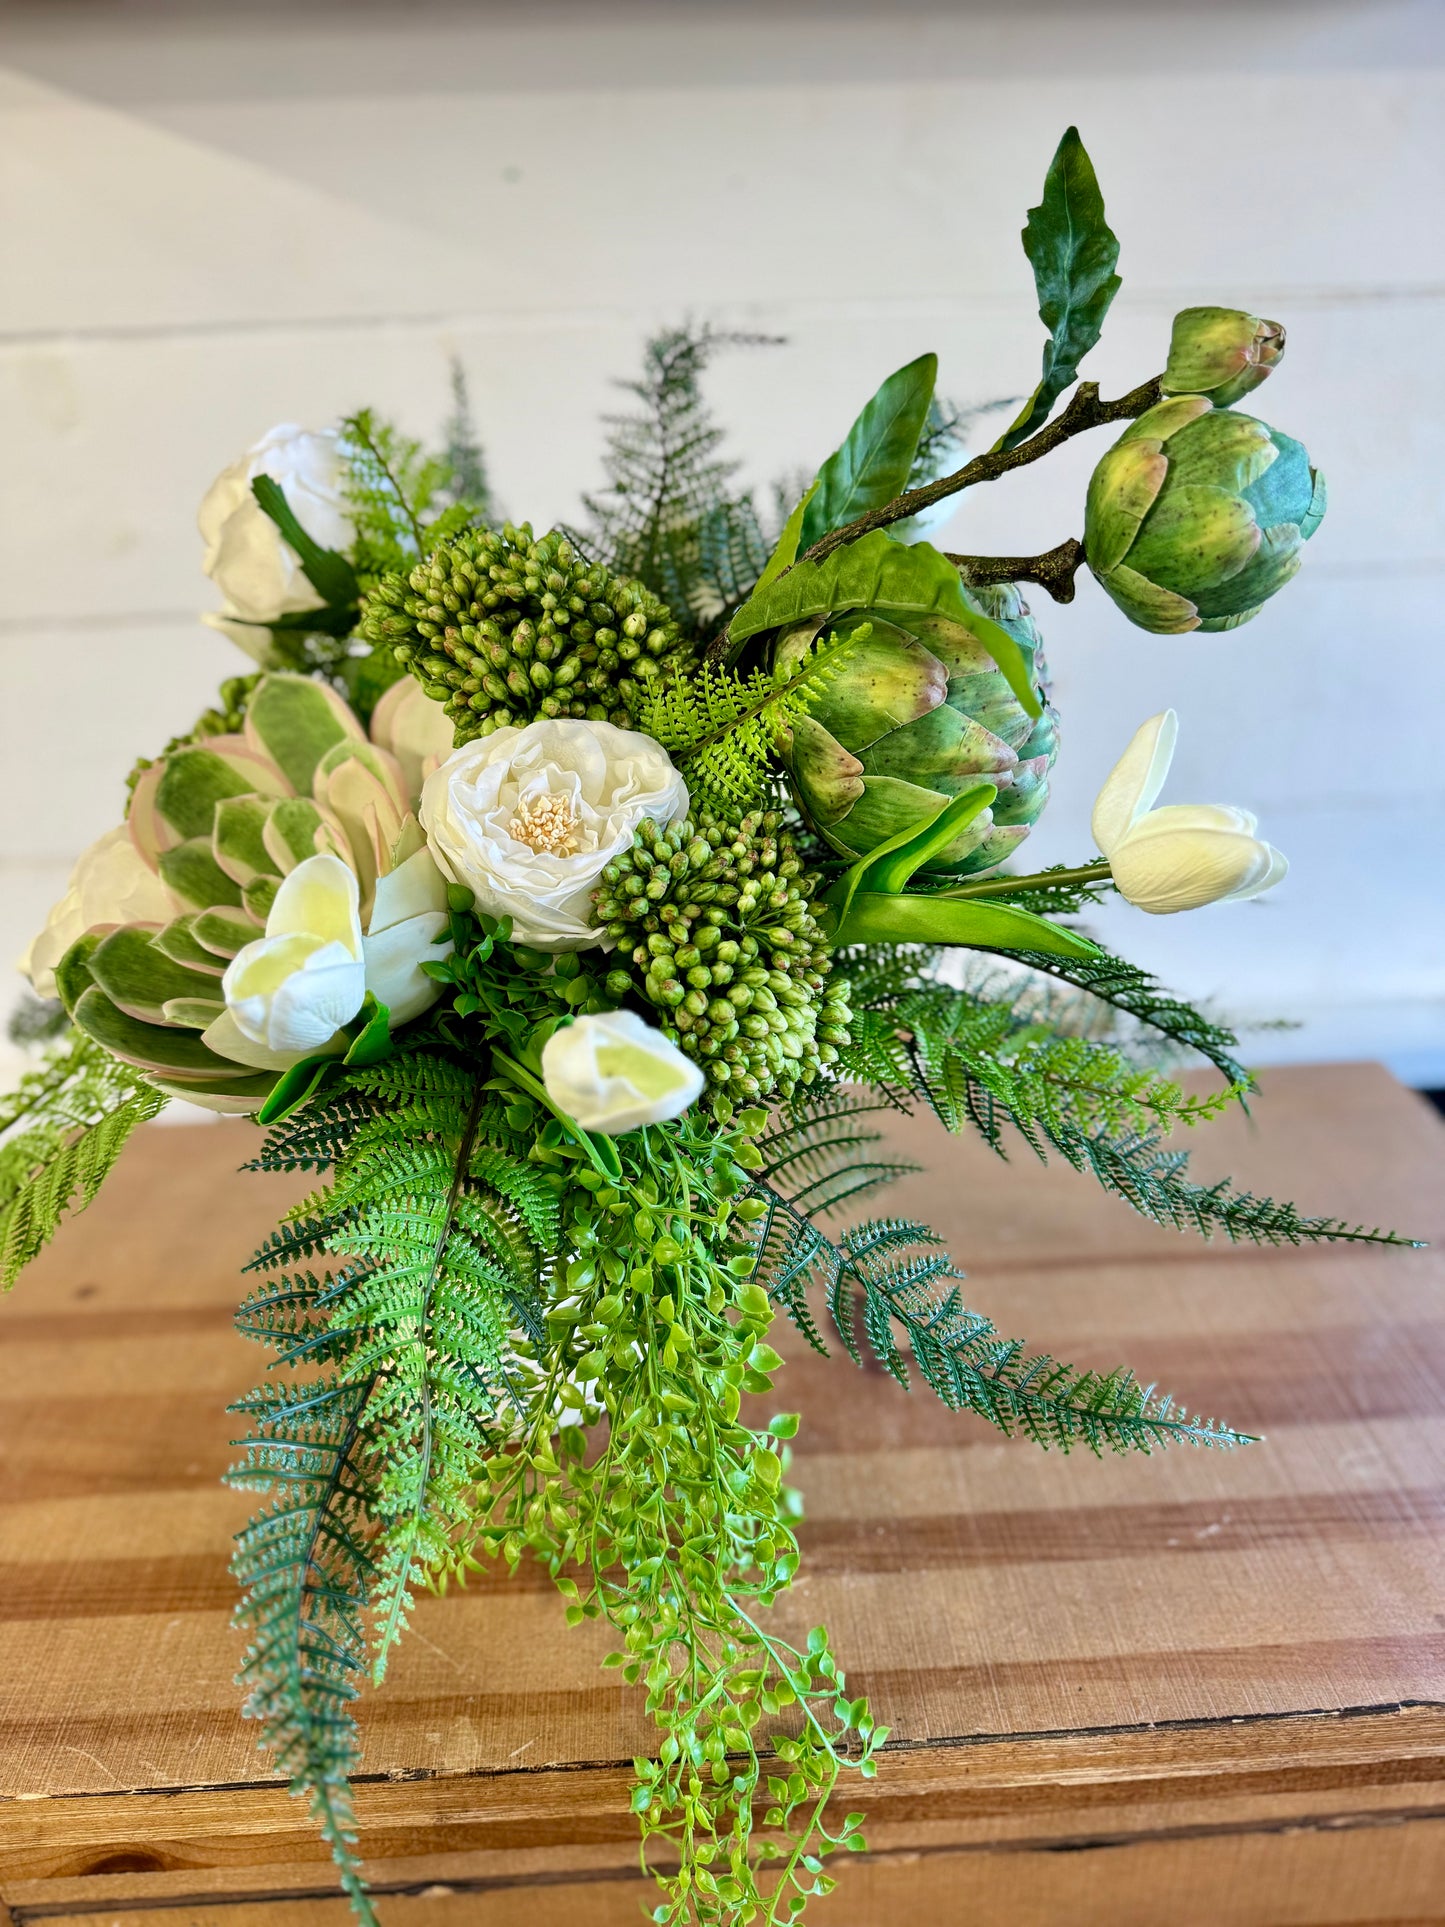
(215, 220)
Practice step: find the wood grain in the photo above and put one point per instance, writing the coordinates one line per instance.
(1204, 1685)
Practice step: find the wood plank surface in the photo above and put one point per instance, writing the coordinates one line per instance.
(1203, 1684)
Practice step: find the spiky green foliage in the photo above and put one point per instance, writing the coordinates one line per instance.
(716, 933)
(61, 1131)
(402, 499)
(991, 1056)
(468, 480)
(672, 514)
(725, 732)
(504, 626)
(891, 1275)
(390, 1299)
(680, 1533)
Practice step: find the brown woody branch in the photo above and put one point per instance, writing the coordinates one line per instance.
(1054, 570)
(1084, 411)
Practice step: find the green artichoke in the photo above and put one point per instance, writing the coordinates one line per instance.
(1197, 515)
(1221, 353)
(916, 715)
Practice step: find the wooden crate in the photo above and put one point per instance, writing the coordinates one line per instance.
(1202, 1686)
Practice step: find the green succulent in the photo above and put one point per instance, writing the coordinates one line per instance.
(715, 933)
(504, 627)
(1197, 515)
(915, 716)
(1220, 352)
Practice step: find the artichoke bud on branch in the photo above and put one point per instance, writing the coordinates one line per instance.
(918, 713)
(287, 879)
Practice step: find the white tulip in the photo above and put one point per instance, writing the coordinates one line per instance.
(111, 883)
(1186, 854)
(612, 1073)
(248, 559)
(407, 928)
(528, 819)
(289, 992)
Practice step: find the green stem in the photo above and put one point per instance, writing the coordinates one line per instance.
(1040, 880)
(534, 1087)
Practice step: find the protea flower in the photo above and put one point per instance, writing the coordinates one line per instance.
(298, 881)
(916, 716)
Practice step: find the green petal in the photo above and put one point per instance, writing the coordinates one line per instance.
(1159, 610)
(888, 807)
(224, 932)
(1221, 449)
(943, 751)
(151, 1047)
(136, 975)
(192, 783)
(295, 720)
(829, 777)
(238, 839)
(1166, 418)
(178, 941)
(191, 870)
(1195, 538)
(259, 895)
(1280, 553)
(1122, 490)
(888, 679)
(291, 832)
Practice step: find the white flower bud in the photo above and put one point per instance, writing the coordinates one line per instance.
(289, 992)
(612, 1073)
(247, 557)
(1186, 854)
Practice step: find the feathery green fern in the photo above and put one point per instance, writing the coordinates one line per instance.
(444, 1234)
(61, 1130)
(671, 514)
(724, 731)
(891, 1272)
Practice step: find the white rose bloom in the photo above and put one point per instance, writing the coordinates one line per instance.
(612, 1073)
(1186, 854)
(528, 819)
(111, 883)
(256, 570)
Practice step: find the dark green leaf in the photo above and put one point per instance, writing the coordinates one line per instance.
(789, 542)
(1073, 252)
(873, 464)
(330, 574)
(886, 870)
(897, 581)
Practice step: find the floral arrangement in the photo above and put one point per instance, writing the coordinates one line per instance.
(577, 901)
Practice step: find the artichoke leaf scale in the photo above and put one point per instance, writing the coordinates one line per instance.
(1221, 448)
(1146, 604)
(1122, 490)
(943, 751)
(1194, 538)
(889, 806)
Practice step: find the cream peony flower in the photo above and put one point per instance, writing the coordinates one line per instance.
(248, 559)
(1186, 854)
(528, 819)
(612, 1073)
(111, 883)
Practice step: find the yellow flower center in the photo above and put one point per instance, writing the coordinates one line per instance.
(547, 824)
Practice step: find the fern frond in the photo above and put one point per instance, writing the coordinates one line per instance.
(670, 515)
(67, 1123)
(893, 1269)
(725, 731)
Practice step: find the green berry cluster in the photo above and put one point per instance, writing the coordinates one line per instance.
(506, 627)
(715, 930)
